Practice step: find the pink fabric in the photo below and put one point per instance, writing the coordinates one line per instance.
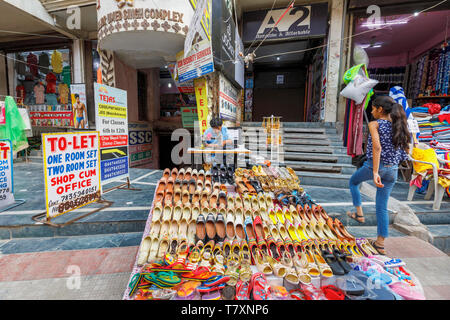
(417, 182)
(39, 90)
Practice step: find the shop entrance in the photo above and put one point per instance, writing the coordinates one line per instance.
(281, 92)
(285, 85)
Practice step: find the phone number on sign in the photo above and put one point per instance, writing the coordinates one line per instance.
(69, 205)
(77, 194)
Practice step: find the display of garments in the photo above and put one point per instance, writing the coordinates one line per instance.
(51, 83)
(427, 155)
(51, 99)
(20, 65)
(67, 75)
(63, 91)
(44, 63)
(32, 63)
(14, 129)
(57, 62)
(20, 93)
(39, 90)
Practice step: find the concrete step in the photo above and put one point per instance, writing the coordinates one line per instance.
(106, 222)
(334, 180)
(434, 218)
(321, 167)
(294, 124)
(317, 157)
(304, 130)
(313, 142)
(371, 232)
(308, 149)
(441, 236)
(27, 245)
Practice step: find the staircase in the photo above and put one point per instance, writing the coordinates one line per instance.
(313, 150)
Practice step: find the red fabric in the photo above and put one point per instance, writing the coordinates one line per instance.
(51, 83)
(32, 62)
(442, 118)
(20, 93)
(433, 108)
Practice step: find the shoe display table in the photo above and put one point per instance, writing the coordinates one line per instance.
(214, 244)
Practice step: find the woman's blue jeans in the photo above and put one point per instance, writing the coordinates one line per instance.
(388, 175)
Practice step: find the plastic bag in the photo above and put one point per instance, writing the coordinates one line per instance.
(360, 56)
(358, 88)
(14, 128)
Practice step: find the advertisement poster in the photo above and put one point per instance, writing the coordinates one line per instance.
(2, 112)
(188, 116)
(197, 64)
(228, 99)
(71, 171)
(6, 174)
(299, 22)
(51, 116)
(201, 95)
(140, 145)
(79, 106)
(112, 123)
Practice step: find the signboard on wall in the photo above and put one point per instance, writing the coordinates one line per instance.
(6, 174)
(228, 99)
(196, 65)
(299, 22)
(79, 105)
(111, 120)
(201, 94)
(140, 145)
(71, 171)
(227, 44)
(51, 116)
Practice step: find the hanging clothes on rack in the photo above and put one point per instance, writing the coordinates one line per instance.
(32, 63)
(354, 119)
(39, 90)
(14, 128)
(44, 63)
(57, 62)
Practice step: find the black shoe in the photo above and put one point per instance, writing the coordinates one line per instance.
(230, 174)
(342, 259)
(210, 226)
(215, 173)
(332, 261)
(200, 227)
(220, 228)
(256, 185)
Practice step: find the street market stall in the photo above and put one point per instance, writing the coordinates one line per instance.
(266, 239)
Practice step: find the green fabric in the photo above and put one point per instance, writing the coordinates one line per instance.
(66, 75)
(14, 129)
(350, 74)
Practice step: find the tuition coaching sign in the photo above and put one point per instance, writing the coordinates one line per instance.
(71, 171)
(6, 174)
(111, 120)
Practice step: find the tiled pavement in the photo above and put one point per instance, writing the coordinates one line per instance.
(104, 273)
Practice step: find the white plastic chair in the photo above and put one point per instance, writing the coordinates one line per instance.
(434, 185)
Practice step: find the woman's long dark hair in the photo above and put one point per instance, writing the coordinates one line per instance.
(400, 132)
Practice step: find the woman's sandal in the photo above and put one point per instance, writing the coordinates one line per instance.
(355, 216)
(380, 250)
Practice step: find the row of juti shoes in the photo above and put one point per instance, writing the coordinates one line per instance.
(293, 243)
(266, 179)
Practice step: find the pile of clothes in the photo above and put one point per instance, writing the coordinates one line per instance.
(434, 126)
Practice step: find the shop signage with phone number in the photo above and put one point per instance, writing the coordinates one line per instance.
(71, 171)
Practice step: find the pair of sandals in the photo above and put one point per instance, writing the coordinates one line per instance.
(358, 218)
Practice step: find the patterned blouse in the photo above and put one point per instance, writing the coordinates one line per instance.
(389, 154)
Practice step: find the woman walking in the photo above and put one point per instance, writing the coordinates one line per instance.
(387, 146)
